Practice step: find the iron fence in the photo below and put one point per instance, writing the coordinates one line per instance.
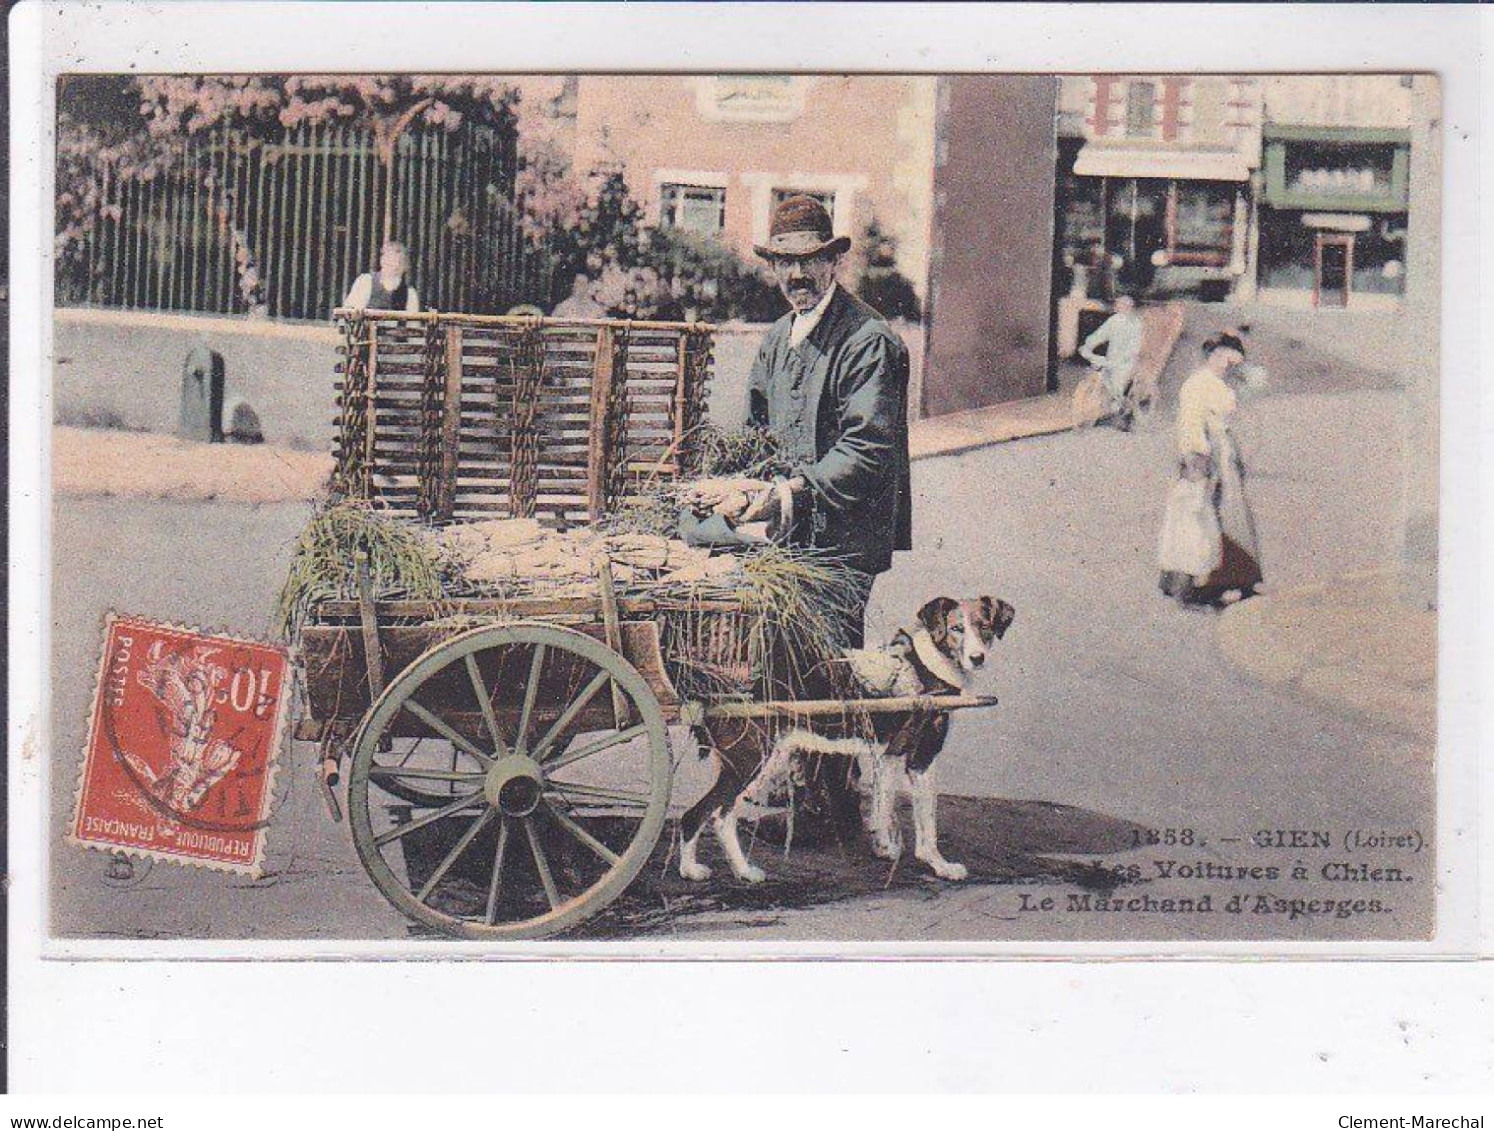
(235, 222)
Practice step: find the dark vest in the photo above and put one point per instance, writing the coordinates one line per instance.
(794, 422)
(381, 299)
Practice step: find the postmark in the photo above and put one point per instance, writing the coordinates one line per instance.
(182, 744)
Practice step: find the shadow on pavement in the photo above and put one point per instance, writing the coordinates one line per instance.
(999, 841)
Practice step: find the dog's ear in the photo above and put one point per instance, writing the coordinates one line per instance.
(1005, 614)
(934, 617)
(986, 611)
(995, 615)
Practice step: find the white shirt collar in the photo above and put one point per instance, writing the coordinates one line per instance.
(804, 324)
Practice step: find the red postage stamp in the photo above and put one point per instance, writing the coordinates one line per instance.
(181, 748)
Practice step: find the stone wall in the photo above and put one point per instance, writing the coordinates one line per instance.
(123, 369)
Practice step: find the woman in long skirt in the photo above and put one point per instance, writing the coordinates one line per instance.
(1209, 552)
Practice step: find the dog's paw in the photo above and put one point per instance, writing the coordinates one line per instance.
(887, 847)
(948, 870)
(693, 870)
(752, 874)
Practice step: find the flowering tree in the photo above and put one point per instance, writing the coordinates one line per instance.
(385, 105)
(583, 222)
(133, 125)
(98, 126)
(639, 272)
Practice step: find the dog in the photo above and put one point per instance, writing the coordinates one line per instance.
(948, 644)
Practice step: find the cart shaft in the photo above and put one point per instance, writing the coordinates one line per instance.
(810, 708)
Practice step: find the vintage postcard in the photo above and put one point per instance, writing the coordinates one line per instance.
(735, 511)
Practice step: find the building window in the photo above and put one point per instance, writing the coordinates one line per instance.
(825, 198)
(692, 208)
(1141, 109)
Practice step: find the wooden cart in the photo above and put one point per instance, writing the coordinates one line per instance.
(507, 761)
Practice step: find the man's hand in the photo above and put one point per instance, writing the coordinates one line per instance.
(774, 505)
(764, 506)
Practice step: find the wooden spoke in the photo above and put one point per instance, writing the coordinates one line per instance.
(497, 880)
(395, 773)
(530, 691)
(606, 831)
(541, 864)
(591, 842)
(486, 702)
(615, 739)
(440, 725)
(420, 822)
(455, 854)
(596, 793)
(577, 706)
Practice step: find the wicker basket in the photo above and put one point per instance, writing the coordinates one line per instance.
(449, 416)
(711, 652)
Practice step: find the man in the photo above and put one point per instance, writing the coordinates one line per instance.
(1121, 335)
(831, 384)
(580, 303)
(387, 288)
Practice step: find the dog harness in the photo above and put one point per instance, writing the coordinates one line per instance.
(931, 659)
(912, 664)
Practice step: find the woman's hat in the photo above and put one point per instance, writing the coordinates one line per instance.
(801, 228)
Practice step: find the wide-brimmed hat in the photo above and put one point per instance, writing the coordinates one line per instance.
(800, 228)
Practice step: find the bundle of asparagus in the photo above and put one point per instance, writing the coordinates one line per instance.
(792, 598)
(520, 555)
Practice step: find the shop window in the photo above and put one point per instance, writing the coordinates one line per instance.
(1202, 223)
(1289, 256)
(1380, 257)
(1141, 109)
(1329, 170)
(1135, 228)
(1286, 251)
(1082, 217)
(692, 208)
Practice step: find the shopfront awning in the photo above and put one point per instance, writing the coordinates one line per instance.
(1164, 164)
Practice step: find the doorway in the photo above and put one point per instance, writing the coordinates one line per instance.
(1333, 269)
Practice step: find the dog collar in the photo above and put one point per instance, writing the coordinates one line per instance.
(938, 664)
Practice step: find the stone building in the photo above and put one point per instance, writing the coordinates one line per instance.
(713, 153)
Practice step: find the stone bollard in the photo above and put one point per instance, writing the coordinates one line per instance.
(201, 415)
(241, 423)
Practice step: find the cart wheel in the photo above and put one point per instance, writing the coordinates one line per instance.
(548, 804)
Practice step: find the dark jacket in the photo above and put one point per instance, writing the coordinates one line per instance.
(855, 375)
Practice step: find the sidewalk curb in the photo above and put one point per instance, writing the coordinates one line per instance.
(976, 428)
(1044, 415)
(100, 463)
(1256, 637)
(204, 325)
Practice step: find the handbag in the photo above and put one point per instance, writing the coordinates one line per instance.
(1191, 541)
